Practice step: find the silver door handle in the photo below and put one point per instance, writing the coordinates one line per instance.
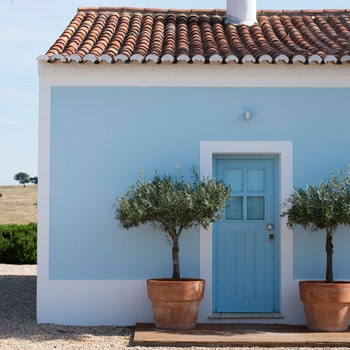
(269, 227)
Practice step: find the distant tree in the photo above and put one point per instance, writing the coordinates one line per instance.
(22, 178)
(34, 180)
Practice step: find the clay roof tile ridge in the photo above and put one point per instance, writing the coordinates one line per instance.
(134, 34)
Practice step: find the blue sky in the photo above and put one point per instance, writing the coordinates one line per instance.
(27, 29)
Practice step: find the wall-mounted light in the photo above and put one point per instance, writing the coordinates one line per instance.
(247, 115)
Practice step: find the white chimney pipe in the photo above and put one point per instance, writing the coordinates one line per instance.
(241, 12)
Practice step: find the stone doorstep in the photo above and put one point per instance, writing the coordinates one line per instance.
(239, 335)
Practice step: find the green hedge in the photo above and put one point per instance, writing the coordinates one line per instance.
(18, 244)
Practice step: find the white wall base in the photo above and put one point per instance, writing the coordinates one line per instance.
(93, 303)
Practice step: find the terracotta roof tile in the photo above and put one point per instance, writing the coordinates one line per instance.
(127, 34)
(182, 39)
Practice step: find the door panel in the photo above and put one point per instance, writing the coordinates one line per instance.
(244, 244)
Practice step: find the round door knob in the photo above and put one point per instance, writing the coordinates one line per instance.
(269, 227)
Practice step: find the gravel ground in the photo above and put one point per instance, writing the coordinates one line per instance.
(18, 327)
(19, 330)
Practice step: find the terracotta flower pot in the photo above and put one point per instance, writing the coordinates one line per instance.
(175, 304)
(326, 305)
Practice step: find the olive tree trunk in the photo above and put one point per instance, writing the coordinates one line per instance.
(176, 259)
(175, 236)
(329, 251)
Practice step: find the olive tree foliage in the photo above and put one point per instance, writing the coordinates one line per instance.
(34, 180)
(324, 206)
(22, 178)
(173, 205)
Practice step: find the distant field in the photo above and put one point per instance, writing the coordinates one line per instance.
(18, 204)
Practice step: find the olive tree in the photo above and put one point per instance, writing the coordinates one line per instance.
(324, 206)
(22, 178)
(173, 205)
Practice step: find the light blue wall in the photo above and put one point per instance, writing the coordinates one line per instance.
(102, 136)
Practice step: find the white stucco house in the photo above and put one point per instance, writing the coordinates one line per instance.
(258, 98)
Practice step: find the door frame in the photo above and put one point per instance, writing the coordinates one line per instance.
(276, 213)
(284, 151)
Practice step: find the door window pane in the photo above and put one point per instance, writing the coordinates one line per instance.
(256, 180)
(234, 178)
(255, 208)
(234, 208)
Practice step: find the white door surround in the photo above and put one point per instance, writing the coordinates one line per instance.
(290, 307)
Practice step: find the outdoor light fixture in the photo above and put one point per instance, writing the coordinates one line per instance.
(247, 115)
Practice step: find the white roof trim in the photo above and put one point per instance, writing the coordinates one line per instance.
(198, 58)
(90, 57)
(265, 58)
(58, 57)
(121, 57)
(152, 57)
(183, 57)
(137, 57)
(75, 58)
(330, 58)
(299, 58)
(198, 74)
(345, 58)
(215, 58)
(248, 58)
(42, 58)
(168, 58)
(106, 58)
(232, 58)
(315, 58)
(282, 58)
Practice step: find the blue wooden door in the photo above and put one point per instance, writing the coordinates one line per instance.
(245, 240)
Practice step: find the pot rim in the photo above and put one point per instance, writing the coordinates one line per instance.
(323, 282)
(156, 280)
